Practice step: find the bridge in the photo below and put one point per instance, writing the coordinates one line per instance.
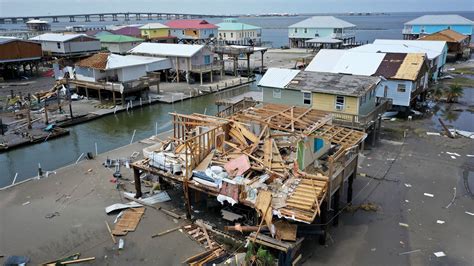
(126, 16)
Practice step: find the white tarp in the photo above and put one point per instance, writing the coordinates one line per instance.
(278, 77)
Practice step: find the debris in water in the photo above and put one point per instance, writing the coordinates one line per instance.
(439, 254)
(407, 185)
(470, 213)
(26, 203)
(440, 222)
(403, 225)
(428, 195)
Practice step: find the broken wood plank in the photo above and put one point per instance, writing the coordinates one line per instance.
(166, 232)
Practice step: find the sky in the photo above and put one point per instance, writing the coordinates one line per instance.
(223, 7)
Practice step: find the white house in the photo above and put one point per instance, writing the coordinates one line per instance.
(105, 67)
(185, 58)
(324, 27)
(436, 51)
(67, 44)
(118, 44)
(404, 75)
(233, 32)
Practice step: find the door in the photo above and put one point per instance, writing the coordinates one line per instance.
(207, 59)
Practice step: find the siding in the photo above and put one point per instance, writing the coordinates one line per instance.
(155, 33)
(17, 50)
(398, 98)
(464, 29)
(131, 73)
(311, 33)
(288, 97)
(327, 102)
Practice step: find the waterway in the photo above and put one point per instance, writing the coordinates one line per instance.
(108, 132)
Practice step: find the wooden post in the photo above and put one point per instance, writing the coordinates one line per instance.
(100, 96)
(46, 121)
(87, 93)
(28, 115)
(248, 66)
(211, 77)
(336, 207)
(221, 56)
(200, 76)
(177, 69)
(349, 186)
(261, 70)
(138, 184)
(113, 96)
(324, 220)
(235, 65)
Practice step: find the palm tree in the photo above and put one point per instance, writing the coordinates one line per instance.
(437, 93)
(453, 93)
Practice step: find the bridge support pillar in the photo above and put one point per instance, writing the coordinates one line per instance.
(150, 17)
(88, 18)
(2, 21)
(127, 17)
(114, 17)
(55, 20)
(25, 20)
(72, 19)
(14, 20)
(101, 18)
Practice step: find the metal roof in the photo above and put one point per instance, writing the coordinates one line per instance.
(190, 24)
(431, 48)
(335, 84)
(440, 20)
(236, 26)
(58, 37)
(151, 26)
(346, 62)
(7, 39)
(277, 77)
(115, 38)
(394, 48)
(166, 49)
(322, 22)
(106, 61)
(37, 21)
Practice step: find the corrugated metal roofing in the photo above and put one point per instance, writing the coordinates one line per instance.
(115, 38)
(445, 35)
(431, 48)
(335, 84)
(190, 24)
(153, 26)
(58, 37)
(106, 61)
(166, 49)
(345, 61)
(277, 77)
(236, 26)
(440, 20)
(390, 64)
(410, 67)
(322, 22)
(129, 31)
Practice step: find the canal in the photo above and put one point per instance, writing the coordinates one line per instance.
(109, 132)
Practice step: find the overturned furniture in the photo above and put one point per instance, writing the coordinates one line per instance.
(283, 161)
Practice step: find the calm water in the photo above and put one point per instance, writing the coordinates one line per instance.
(275, 29)
(109, 132)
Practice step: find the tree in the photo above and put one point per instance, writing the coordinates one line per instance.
(453, 93)
(438, 92)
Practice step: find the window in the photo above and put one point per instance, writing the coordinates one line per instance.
(340, 103)
(224, 34)
(318, 144)
(401, 88)
(277, 93)
(232, 35)
(305, 30)
(59, 45)
(182, 32)
(296, 30)
(307, 98)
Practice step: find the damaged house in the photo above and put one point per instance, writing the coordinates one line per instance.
(288, 163)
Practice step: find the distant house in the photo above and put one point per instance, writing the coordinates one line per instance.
(192, 31)
(157, 32)
(38, 25)
(436, 51)
(429, 24)
(458, 44)
(327, 27)
(128, 31)
(185, 58)
(405, 76)
(233, 32)
(106, 75)
(16, 54)
(350, 98)
(118, 44)
(57, 44)
(97, 33)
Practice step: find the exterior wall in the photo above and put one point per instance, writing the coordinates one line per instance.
(155, 33)
(18, 50)
(310, 33)
(365, 107)
(327, 102)
(398, 98)
(288, 97)
(119, 48)
(131, 73)
(74, 47)
(85, 74)
(53, 47)
(309, 153)
(199, 58)
(429, 29)
(194, 33)
(239, 36)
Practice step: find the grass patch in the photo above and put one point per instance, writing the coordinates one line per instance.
(462, 81)
(464, 70)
